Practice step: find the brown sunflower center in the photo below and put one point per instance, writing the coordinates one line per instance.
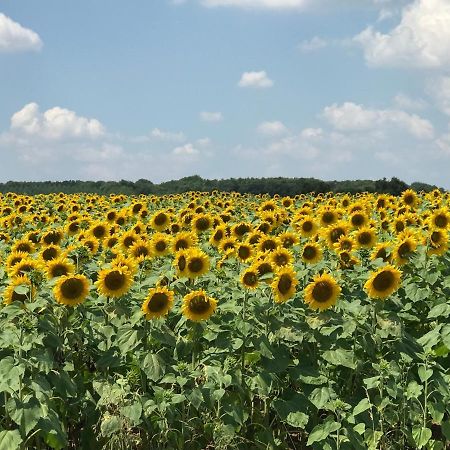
(160, 219)
(383, 281)
(181, 263)
(284, 283)
(181, 244)
(195, 265)
(404, 249)
(59, 269)
(328, 217)
(322, 292)
(441, 221)
(250, 279)
(24, 247)
(244, 252)
(158, 302)
(199, 304)
(72, 288)
(115, 280)
(49, 253)
(129, 241)
(268, 244)
(364, 238)
(141, 251)
(309, 252)
(281, 259)
(357, 220)
(99, 231)
(161, 246)
(202, 224)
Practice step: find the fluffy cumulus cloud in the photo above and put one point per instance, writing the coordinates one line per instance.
(65, 145)
(255, 80)
(352, 117)
(403, 101)
(257, 4)
(421, 39)
(16, 38)
(53, 124)
(209, 116)
(274, 128)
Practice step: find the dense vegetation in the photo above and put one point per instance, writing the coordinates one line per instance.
(225, 321)
(271, 186)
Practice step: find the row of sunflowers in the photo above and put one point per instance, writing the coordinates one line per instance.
(309, 272)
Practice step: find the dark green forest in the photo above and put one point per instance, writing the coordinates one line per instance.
(280, 186)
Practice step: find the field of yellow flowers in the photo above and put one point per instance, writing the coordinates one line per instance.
(225, 321)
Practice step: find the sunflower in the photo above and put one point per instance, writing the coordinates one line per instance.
(384, 282)
(183, 240)
(440, 219)
(322, 292)
(71, 290)
(114, 282)
(120, 261)
(218, 235)
(14, 258)
(249, 278)
(306, 226)
(334, 232)
(358, 219)
(23, 245)
(267, 244)
(241, 229)
(288, 239)
(404, 249)
(201, 223)
(10, 295)
(26, 265)
(281, 257)
(160, 244)
(99, 230)
(158, 303)
(344, 244)
(284, 284)
(197, 263)
(50, 252)
(381, 250)
(409, 198)
(128, 238)
(160, 220)
(198, 306)
(264, 267)
(140, 250)
(52, 237)
(244, 251)
(311, 253)
(58, 267)
(180, 262)
(365, 237)
(327, 216)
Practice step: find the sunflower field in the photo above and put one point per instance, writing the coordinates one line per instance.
(225, 321)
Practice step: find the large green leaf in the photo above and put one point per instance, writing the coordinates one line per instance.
(10, 440)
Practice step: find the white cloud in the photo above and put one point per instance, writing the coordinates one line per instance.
(309, 133)
(255, 80)
(54, 124)
(16, 38)
(186, 150)
(208, 116)
(167, 135)
(257, 4)
(403, 101)
(439, 89)
(352, 117)
(421, 39)
(313, 44)
(272, 128)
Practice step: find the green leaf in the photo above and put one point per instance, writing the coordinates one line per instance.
(322, 431)
(110, 425)
(372, 382)
(25, 414)
(431, 338)
(297, 419)
(10, 439)
(445, 426)
(362, 406)
(421, 435)
(54, 436)
(154, 367)
(445, 335)
(340, 357)
(424, 374)
(196, 397)
(320, 396)
(132, 412)
(413, 390)
(442, 310)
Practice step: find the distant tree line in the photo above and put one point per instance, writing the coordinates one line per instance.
(280, 186)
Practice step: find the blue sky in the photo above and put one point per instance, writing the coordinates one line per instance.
(225, 88)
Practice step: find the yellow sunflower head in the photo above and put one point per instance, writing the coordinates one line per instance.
(114, 282)
(20, 289)
(311, 253)
(322, 293)
(249, 278)
(284, 284)
(71, 290)
(197, 263)
(198, 306)
(158, 303)
(383, 282)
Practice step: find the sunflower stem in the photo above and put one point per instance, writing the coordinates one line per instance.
(244, 306)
